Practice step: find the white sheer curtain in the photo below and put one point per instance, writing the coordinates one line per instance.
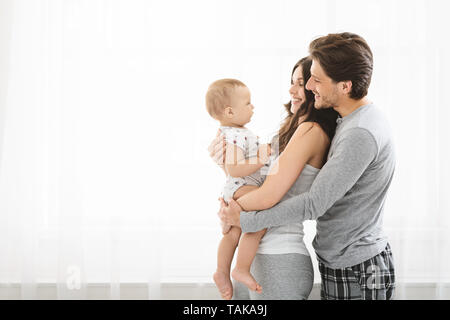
(79, 172)
(104, 174)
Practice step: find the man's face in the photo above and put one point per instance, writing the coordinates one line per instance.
(324, 88)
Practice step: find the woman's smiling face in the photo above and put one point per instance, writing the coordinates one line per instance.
(297, 90)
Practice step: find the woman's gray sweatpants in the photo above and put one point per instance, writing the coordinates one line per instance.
(282, 277)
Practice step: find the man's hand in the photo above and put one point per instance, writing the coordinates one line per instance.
(217, 149)
(231, 213)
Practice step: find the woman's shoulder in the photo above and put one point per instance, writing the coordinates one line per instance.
(310, 126)
(316, 136)
(317, 142)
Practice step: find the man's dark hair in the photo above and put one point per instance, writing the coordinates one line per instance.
(345, 57)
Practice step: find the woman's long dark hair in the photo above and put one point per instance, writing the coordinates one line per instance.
(326, 118)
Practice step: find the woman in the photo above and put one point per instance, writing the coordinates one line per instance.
(283, 265)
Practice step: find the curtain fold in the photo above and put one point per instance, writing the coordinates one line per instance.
(6, 14)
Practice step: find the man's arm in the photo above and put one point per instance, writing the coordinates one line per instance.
(351, 158)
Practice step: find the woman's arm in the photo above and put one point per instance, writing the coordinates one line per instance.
(308, 140)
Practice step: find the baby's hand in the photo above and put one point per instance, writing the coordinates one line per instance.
(264, 152)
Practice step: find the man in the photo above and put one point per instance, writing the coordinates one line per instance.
(347, 197)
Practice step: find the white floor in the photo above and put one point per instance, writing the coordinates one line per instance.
(205, 291)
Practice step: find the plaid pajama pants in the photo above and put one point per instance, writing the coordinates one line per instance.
(373, 279)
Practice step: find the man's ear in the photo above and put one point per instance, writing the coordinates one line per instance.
(228, 112)
(346, 87)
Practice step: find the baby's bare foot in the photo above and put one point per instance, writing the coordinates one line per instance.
(246, 278)
(223, 283)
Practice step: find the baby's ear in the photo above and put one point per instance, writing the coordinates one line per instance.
(228, 112)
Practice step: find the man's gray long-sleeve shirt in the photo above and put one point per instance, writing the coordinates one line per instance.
(347, 196)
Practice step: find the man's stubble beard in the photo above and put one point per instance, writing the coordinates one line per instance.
(327, 103)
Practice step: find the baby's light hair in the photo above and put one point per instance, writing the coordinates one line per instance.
(219, 94)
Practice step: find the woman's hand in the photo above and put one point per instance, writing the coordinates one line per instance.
(231, 213)
(217, 149)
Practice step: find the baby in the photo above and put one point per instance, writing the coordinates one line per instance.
(228, 101)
